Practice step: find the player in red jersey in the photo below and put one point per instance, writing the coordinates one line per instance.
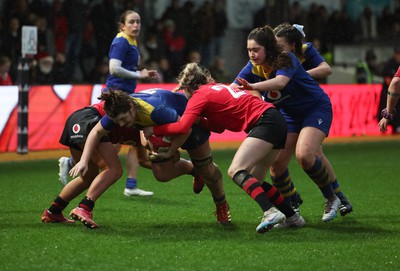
(218, 107)
(389, 112)
(104, 167)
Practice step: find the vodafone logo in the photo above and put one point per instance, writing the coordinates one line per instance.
(76, 128)
(274, 95)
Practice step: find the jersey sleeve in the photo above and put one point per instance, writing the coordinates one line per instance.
(289, 71)
(247, 74)
(195, 106)
(107, 123)
(119, 49)
(313, 57)
(164, 115)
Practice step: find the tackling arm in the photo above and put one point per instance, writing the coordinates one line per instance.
(91, 143)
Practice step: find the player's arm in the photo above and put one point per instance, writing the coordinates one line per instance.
(392, 99)
(117, 70)
(91, 143)
(182, 126)
(207, 125)
(323, 70)
(274, 84)
(176, 143)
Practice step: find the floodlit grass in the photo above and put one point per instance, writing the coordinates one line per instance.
(176, 229)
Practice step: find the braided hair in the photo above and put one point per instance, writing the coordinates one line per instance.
(192, 77)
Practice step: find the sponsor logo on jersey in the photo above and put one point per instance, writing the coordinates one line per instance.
(76, 128)
(274, 95)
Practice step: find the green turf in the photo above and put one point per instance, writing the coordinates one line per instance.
(176, 229)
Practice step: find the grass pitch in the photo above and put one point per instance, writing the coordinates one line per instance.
(176, 229)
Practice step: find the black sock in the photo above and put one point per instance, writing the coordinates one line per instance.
(277, 199)
(219, 200)
(87, 204)
(58, 206)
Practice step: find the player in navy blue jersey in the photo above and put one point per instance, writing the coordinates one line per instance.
(291, 38)
(124, 61)
(124, 58)
(150, 108)
(279, 77)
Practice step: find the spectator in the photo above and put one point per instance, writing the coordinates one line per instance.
(220, 24)
(76, 17)
(218, 72)
(368, 25)
(175, 46)
(365, 68)
(60, 69)
(104, 19)
(45, 37)
(40, 7)
(43, 73)
(5, 65)
(204, 24)
(165, 73)
(188, 31)
(11, 44)
(385, 23)
(154, 47)
(194, 56)
(100, 74)
(58, 24)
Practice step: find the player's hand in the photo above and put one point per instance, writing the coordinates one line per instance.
(80, 168)
(245, 85)
(153, 74)
(383, 124)
(158, 156)
(148, 131)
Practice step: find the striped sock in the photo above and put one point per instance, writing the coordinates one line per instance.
(320, 176)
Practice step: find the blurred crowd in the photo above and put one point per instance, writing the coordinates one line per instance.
(74, 35)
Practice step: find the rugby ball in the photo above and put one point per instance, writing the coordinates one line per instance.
(159, 143)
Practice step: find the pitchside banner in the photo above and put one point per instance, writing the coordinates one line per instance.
(354, 107)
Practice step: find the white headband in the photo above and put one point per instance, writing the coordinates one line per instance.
(300, 27)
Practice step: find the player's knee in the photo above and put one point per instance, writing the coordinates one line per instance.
(305, 160)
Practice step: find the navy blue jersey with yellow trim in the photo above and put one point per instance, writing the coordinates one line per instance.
(302, 93)
(125, 49)
(311, 58)
(155, 107)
